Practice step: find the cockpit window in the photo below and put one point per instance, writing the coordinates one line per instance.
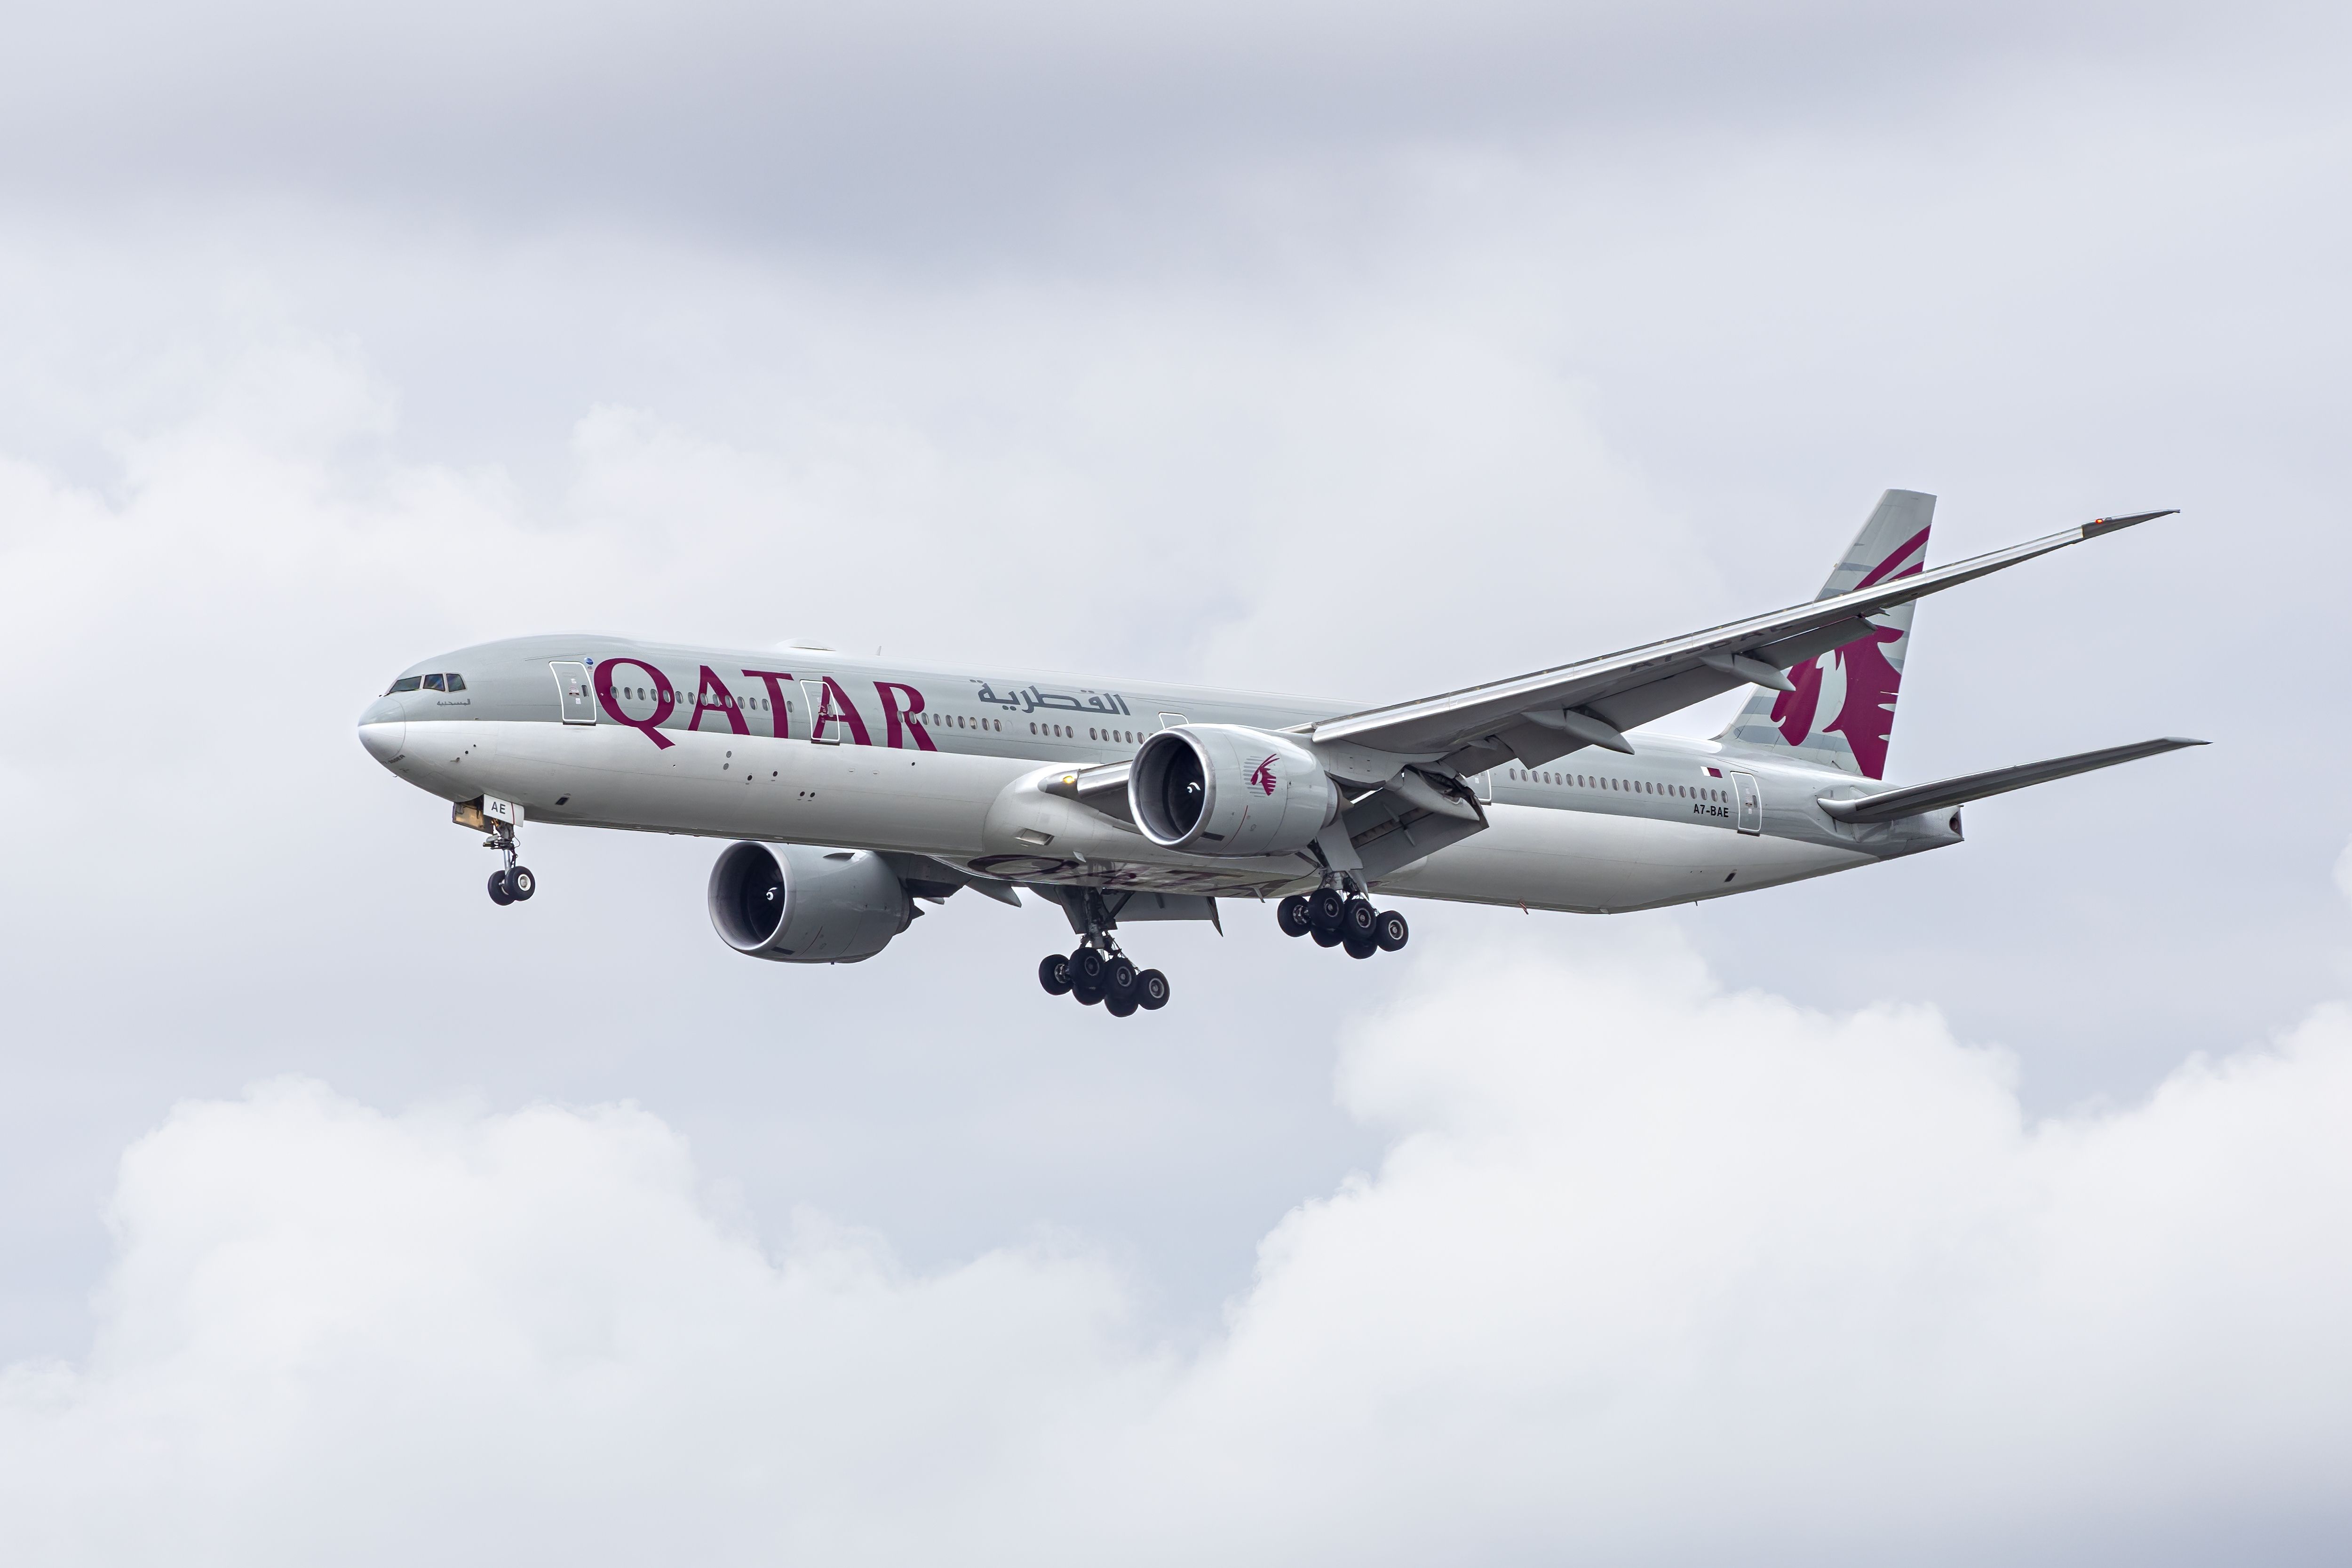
(405, 683)
(435, 683)
(456, 683)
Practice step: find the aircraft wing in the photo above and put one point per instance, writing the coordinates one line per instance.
(1551, 712)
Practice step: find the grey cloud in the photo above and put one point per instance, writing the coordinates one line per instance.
(1704, 1274)
(916, 126)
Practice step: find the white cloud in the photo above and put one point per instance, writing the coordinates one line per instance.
(1652, 1272)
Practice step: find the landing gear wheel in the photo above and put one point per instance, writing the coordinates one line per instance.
(1119, 1007)
(1054, 973)
(1119, 978)
(1291, 916)
(1327, 908)
(498, 894)
(1326, 938)
(1361, 946)
(521, 883)
(1087, 966)
(1358, 920)
(1390, 931)
(1151, 990)
(1087, 994)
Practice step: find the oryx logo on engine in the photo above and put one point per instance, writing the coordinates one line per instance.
(1263, 777)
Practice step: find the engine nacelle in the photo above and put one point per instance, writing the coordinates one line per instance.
(796, 903)
(1219, 789)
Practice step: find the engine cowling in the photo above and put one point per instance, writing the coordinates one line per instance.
(797, 903)
(1220, 789)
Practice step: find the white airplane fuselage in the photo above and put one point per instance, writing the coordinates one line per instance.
(814, 747)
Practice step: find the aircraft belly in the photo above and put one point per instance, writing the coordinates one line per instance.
(751, 786)
(1596, 863)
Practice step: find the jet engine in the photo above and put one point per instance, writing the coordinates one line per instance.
(796, 903)
(1220, 789)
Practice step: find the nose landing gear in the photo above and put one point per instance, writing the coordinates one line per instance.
(510, 883)
(1347, 920)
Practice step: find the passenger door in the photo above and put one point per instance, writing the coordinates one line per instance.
(574, 695)
(823, 729)
(1751, 796)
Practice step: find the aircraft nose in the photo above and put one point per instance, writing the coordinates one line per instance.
(384, 730)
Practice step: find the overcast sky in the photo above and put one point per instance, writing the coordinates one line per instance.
(1992, 1204)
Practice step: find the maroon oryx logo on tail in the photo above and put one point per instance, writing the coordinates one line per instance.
(1263, 777)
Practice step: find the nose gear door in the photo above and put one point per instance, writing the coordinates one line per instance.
(1751, 796)
(572, 696)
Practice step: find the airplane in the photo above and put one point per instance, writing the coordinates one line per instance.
(852, 791)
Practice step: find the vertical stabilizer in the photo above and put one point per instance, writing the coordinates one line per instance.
(1842, 712)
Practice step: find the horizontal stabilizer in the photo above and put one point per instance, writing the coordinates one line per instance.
(1911, 802)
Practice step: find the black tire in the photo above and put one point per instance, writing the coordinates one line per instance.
(1054, 973)
(1087, 994)
(1390, 931)
(1119, 1007)
(1326, 909)
(1326, 938)
(1120, 978)
(1291, 916)
(1087, 966)
(1361, 946)
(498, 894)
(521, 883)
(1151, 990)
(1360, 920)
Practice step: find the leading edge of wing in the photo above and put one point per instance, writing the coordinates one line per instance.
(1438, 724)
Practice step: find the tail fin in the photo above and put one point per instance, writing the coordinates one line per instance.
(1842, 710)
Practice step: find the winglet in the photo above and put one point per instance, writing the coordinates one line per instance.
(2099, 525)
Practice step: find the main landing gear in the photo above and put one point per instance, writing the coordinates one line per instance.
(1335, 918)
(510, 883)
(1096, 971)
(1092, 975)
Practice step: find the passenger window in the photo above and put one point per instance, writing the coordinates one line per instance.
(435, 683)
(406, 683)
